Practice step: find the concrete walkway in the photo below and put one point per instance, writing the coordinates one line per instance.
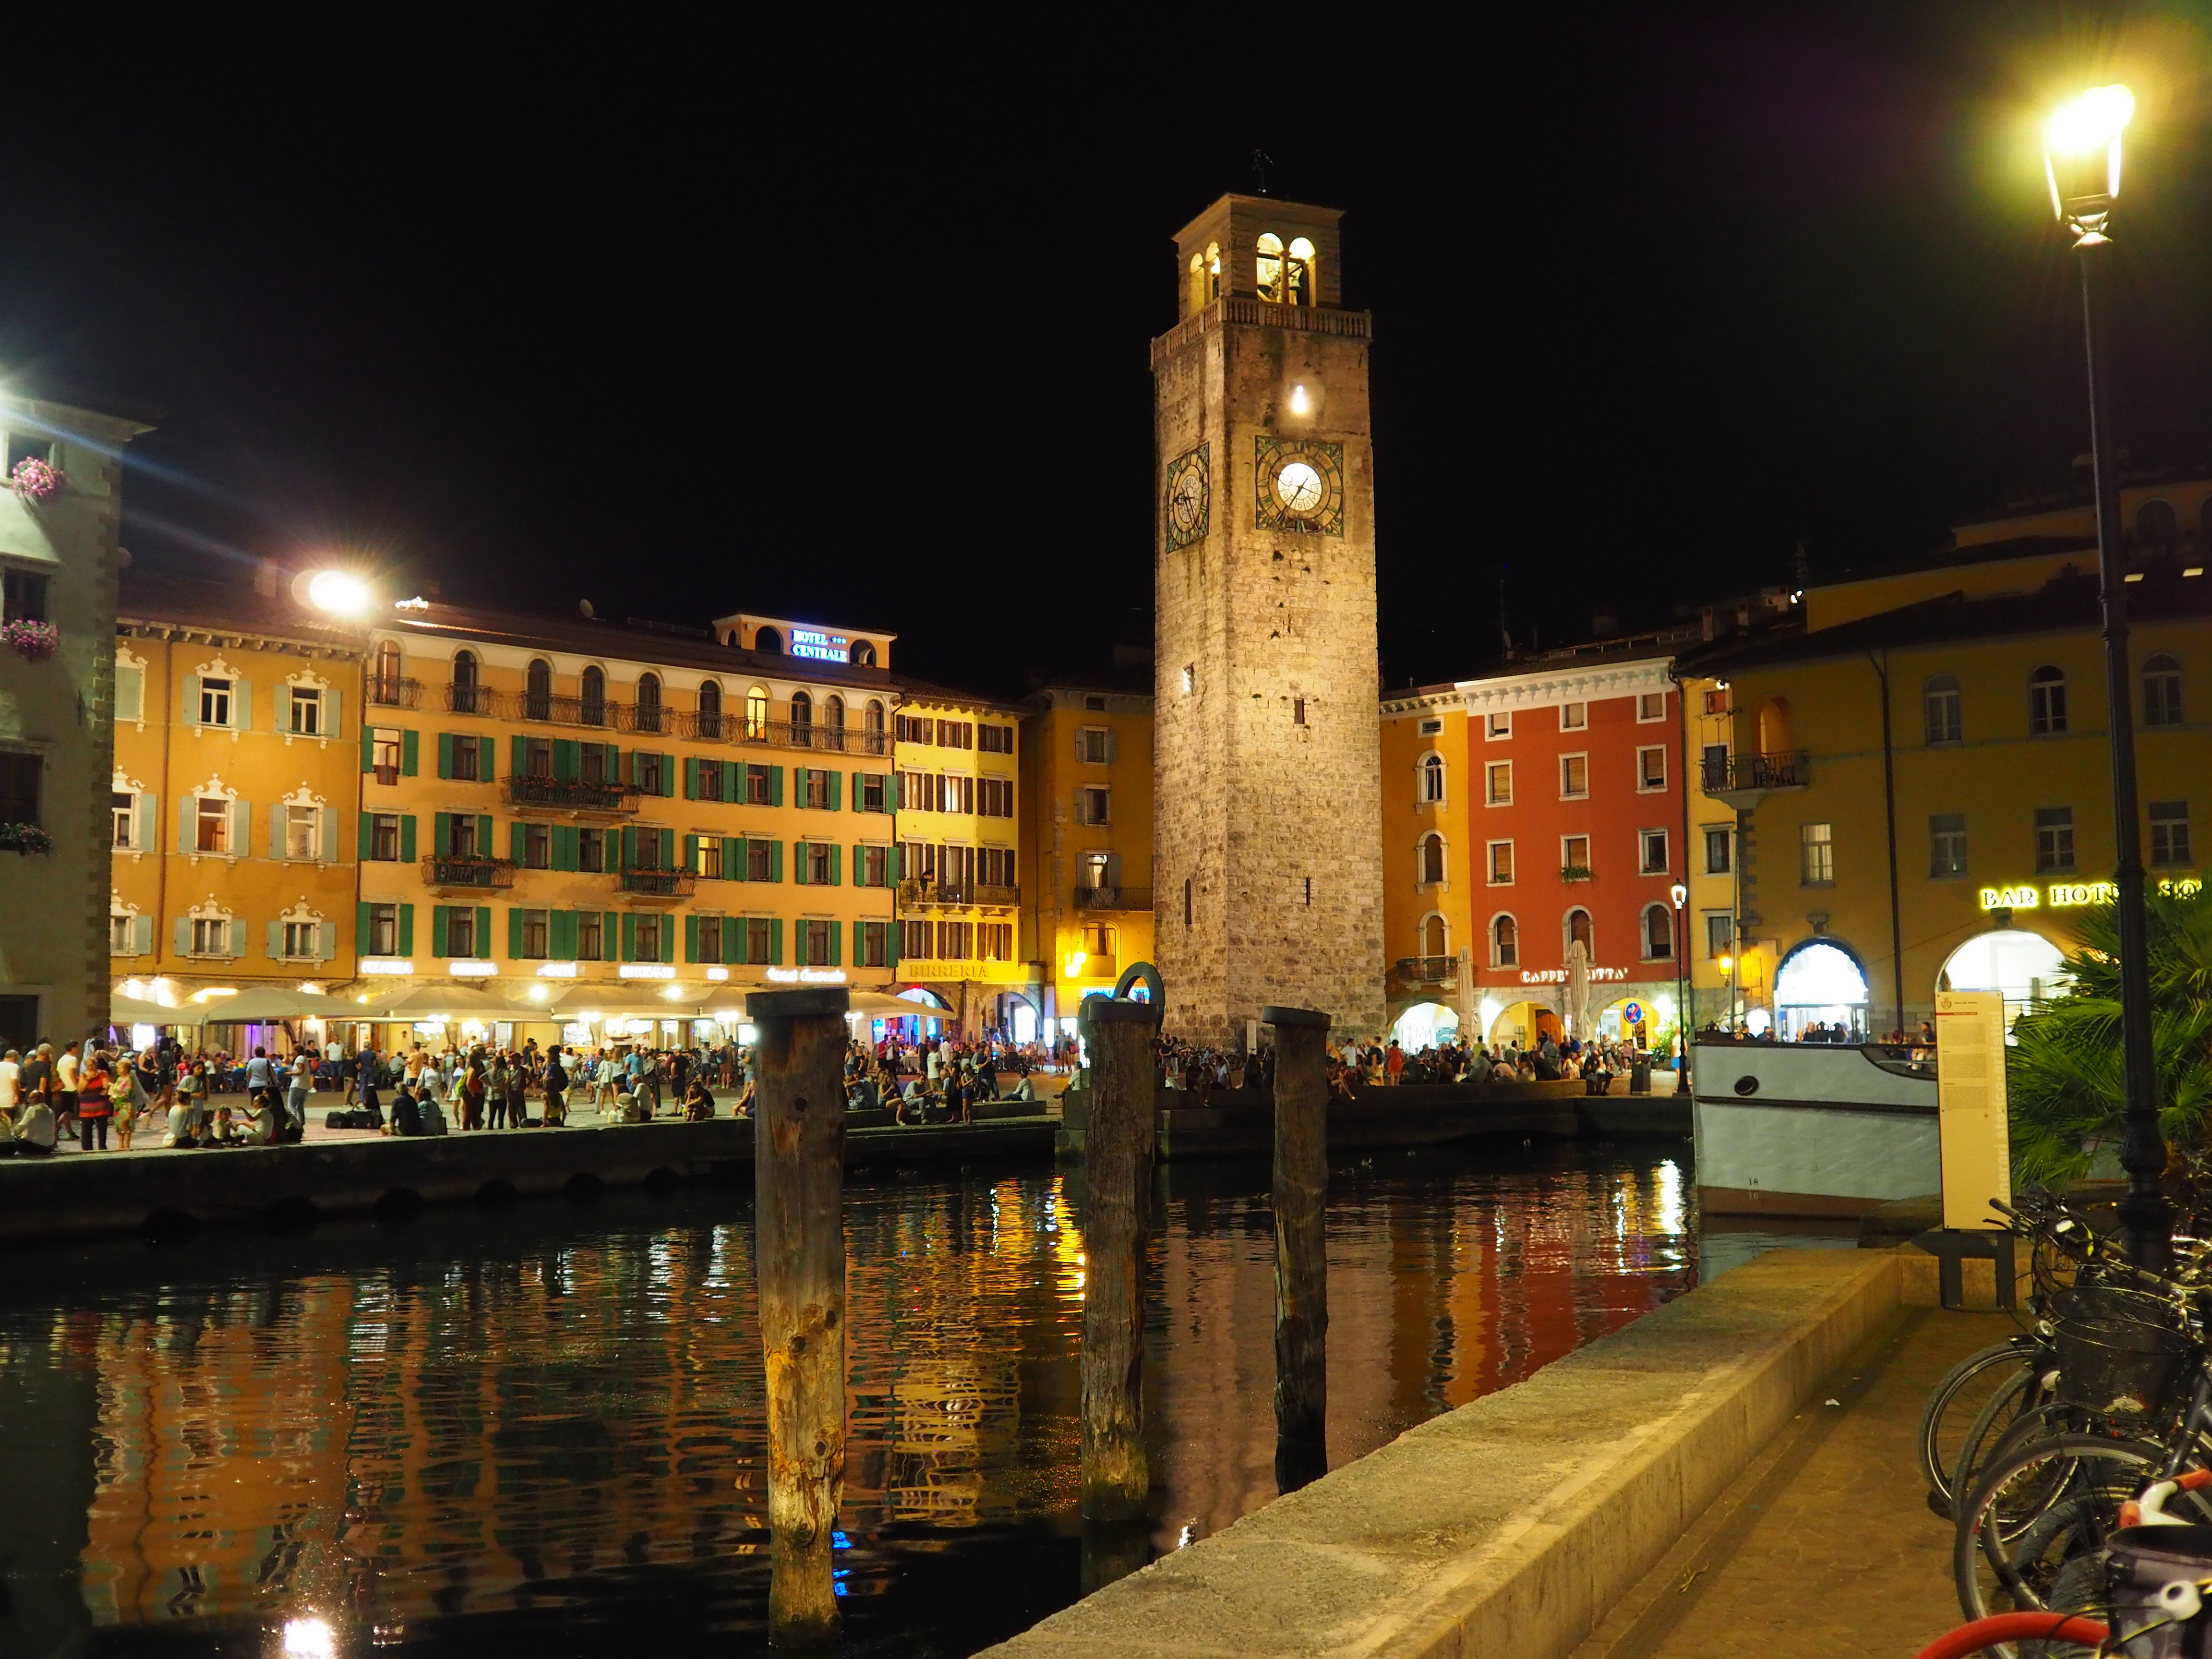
(1824, 1546)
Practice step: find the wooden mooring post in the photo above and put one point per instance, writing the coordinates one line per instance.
(1118, 1179)
(798, 1231)
(1301, 1201)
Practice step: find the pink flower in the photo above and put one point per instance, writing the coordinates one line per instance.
(35, 480)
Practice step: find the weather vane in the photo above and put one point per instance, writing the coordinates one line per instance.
(1260, 162)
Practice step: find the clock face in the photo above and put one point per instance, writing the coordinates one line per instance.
(1299, 486)
(1188, 496)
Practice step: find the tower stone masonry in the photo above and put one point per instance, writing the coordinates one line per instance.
(1267, 811)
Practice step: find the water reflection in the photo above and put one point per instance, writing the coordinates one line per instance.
(547, 1425)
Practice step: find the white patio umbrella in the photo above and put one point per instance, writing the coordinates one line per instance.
(272, 1002)
(130, 1011)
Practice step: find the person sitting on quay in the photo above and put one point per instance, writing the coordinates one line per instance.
(264, 1126)
(407, 1113)
(33, 1133)
(698, 1098)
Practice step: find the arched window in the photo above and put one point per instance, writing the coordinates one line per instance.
(1776, 730)
(384, 680)
(863, 654)
(802, 719)
(1435, 938)
(464, 669)
(710, 709)
(1431, 860)
(537, 697)
(1432, 778)
(1505, 942)
(757, 714)
(1945, 712)
(872, 722)
(2161, 691)
(649, 702)
(1298, 273)
(1658, 933)
(2157, 528)
(2047, 702)
(1269, 266)
(595, 699)
(769, 639)
(1580, 930)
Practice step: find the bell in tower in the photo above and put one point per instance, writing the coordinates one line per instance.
(1267, 814)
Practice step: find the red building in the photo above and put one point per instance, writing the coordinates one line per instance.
(1522, 812)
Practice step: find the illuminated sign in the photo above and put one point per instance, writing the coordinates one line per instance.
(1559, 976)
(471, 970)
(646, 970)
(807, 975)
(393, 965)
(557, 971)
(718, 973)
(821, 646)
(2077, 895)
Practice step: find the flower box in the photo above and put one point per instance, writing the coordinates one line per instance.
(1574, 872)
(36, 640)
(24, 838)
(35, 480)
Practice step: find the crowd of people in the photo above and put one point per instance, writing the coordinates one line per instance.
(1356, 1065)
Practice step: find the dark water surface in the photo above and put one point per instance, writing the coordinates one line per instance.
(539, 1431)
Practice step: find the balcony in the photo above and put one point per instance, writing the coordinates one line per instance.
(1438, 972)
(464, 873)
(1113, 898)
(385, 692)
(570, 795)
(825, 739)
(386, 774)
(1743, 781)
(658, 886)
(479, 700)
(985, 892)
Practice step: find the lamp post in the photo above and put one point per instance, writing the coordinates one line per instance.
(2081, 164)
(1680, 893)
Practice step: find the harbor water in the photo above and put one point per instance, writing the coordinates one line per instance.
(539, 1430)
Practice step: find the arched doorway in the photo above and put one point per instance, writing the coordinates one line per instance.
(1526, 1024)
(2025, 966)
(1819, 983)
(1426, 1024)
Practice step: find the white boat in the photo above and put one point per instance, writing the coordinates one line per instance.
(1811, 1128)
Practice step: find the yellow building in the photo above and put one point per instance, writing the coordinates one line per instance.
(1722, 969)
(237, 719)
(1919, 770)
(636, 823)
(1087, 824)
(960, 876)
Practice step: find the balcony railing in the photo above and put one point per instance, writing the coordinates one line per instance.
(659, 883)
(463, 871)
(385, 773)
(1427, 970)
(1741, 774)
(479, 700)
(385, 692)
(570, 794)
(659, 721)
(986, 892)
(913, 891)
(1113, 898)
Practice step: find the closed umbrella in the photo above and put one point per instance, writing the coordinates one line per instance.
(1578, 992)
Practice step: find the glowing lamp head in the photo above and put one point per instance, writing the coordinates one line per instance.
(1300, 403)
(2081, 157)
(1679, 894)
(338, 594)
(1727, 966)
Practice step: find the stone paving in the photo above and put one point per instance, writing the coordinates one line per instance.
(1824, 1546)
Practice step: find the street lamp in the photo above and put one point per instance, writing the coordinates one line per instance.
(2081, 164)
(1680, 893)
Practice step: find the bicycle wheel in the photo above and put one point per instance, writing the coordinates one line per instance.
(1954, 1403)
(2029, 1532)
(2019, 1409)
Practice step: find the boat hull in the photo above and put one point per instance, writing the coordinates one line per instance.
(1810, 1131)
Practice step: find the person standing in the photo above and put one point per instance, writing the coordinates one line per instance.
(95, 1105)
(11, 1075)
(66, 1072)
(302, 1085)
(556, 1079)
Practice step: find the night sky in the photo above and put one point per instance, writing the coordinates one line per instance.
(846, 320)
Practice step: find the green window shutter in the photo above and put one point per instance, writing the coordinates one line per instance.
(630, 936)
(518, 842)
(518, 754)
(859, 869)
(733, 858)
(798, 863)
(567, 841)
(410, 753)
(775, 785)
(445, 754)
(835, 932)
(668, 775)
(487, 759)
(361, 928)
(368, 834)
(614, 762)
(561, 930)
(629, 846)
(441, 836)
(732, 776)
(836, 790)
(691, 778)
(514, 932)
(609, 933)
(775, 859)
(406, 930)
(438, 930)
(860, 944)
(837, 864)
(691, 854)
(668, 850)
(484, 931)
(890, 944)
(407, 838)
(484, 836)
(733, 938)
(668, 942)
(567, 759)
(368, 745)
(776, 943)
(690, 939)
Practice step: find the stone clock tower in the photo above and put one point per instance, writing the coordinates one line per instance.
(1267, 811)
